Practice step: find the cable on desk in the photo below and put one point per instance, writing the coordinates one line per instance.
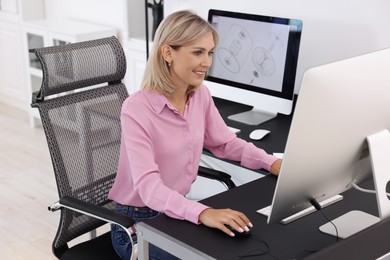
(258, 251)
(267, 250)
(318, 207)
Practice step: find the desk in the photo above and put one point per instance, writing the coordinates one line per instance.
(296, 240)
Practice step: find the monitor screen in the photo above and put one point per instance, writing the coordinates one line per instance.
(255, 62)
(339, 105)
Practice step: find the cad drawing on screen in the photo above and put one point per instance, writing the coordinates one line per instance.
(255, 63)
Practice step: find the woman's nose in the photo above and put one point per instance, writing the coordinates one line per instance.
(206, 62)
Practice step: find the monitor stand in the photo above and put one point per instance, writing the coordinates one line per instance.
(255, 116)
(355, 221)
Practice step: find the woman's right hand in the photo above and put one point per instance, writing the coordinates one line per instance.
(219, 218)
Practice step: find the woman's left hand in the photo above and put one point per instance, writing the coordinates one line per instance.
(275, 167)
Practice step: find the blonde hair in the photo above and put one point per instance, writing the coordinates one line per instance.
(177, 29)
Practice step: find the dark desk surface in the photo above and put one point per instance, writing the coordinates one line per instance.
(274, 142)
(296, 240)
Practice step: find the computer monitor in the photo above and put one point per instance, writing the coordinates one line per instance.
(340, 106)
(255, 63)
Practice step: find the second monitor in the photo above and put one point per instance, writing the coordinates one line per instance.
(255, 63)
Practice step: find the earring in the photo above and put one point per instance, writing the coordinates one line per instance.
(169, 64)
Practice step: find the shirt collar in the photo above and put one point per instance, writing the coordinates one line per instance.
(159, 101)
(156, 100)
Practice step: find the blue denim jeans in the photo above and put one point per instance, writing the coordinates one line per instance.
(121, 241)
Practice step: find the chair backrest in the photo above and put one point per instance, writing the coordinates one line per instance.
(79, 103)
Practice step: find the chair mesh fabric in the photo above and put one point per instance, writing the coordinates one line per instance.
(82, 127)
(70, 66)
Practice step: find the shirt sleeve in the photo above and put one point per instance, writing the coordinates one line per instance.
(225, 144)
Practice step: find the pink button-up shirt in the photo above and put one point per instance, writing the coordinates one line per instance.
(160, 151)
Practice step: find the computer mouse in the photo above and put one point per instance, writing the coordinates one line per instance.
(240, 234)
(258, 134)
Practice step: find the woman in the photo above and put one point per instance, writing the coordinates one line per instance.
(165, 127)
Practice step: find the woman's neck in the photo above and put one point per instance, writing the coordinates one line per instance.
(178, 99)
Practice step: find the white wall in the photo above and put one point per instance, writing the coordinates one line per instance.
(127, 16)
(332, 29)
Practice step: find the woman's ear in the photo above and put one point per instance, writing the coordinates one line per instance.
(166, 52)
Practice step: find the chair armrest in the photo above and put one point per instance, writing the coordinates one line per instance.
(216, 175)
(99, 212)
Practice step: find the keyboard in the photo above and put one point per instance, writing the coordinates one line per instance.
(267, 210)
(234, 130)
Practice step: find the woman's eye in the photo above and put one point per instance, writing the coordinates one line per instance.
(198, 52)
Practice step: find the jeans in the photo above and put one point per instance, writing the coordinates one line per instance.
(121, 241)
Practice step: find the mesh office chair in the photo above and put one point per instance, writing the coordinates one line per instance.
(79, 104)
(82, 128)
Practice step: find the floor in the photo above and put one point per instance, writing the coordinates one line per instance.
(27, 188)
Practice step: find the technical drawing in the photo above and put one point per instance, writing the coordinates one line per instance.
(263, 60)
(239, 44)
(245, 55)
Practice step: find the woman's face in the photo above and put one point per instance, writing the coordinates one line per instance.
(191, 62)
